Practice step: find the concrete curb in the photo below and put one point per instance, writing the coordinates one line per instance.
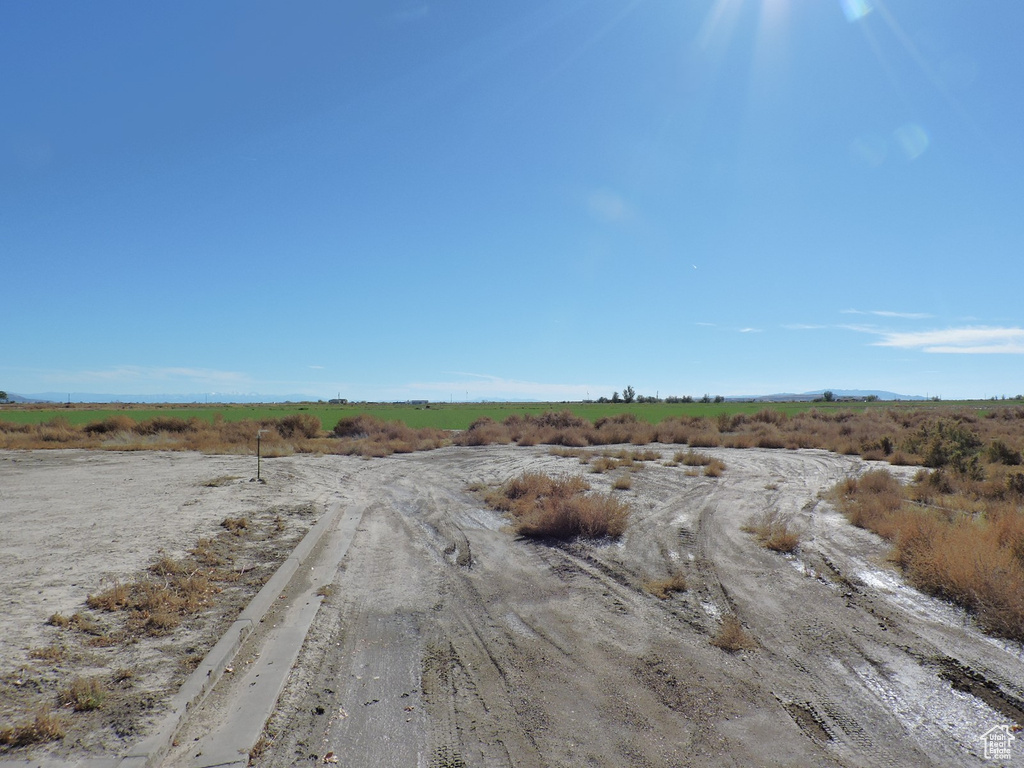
(150, 751)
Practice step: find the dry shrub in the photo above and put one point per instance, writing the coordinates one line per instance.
(43, 727)
(111, 599)
(648, 455)
(53, 653)
(298, 425)
(738, 441)
(691, 458)
(168, 424)
(485, 431)
(774, 531)
(573, 437)
(235, 525)
(715, 468)
(623, 482)
(663, 588)
(372, 438)
(973, 558)
(769, 437)
(545, 507)
(110, 425)
(872, 501)
(732, 636)
(168, 566)
(84, 694)
(58, 620)
(705, 440)
(672, 431)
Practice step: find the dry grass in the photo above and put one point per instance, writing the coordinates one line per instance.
(774, 531)
(934, 437)
(156, 605)
(623, 482)
(715, 468)
(84, 694)
(954, 536)
(732, 636)
(692, 458)
(44, 726)
(663, 588)
(546, 507)
(51, 653)
(236, 525)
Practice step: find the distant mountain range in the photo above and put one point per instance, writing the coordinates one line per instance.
(228, 397)
(211, 397)
(790, 397)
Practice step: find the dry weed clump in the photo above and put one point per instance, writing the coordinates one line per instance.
(691, 458)
(546, 507)
(44, 726)
(774, 531)
(663, 588)
(155, 606)
(235, 525)
(372, 438)
(715, 468)
(84, 694)
(732, 637)
(623, 482)
(53, 653)
(485, 431)
(960, 544)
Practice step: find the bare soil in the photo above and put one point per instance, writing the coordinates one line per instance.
(77, 522)
(449, 641)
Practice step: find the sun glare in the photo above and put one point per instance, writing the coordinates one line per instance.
(855, 9)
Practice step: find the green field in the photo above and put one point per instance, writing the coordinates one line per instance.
(445, 415)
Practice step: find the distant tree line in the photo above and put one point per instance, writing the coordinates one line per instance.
(629, 395)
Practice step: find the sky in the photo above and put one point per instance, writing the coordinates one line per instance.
(530, 200)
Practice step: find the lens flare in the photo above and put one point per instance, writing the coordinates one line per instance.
(855, 9)
(912, 140)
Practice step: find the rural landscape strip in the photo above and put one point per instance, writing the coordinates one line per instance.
(972, 489)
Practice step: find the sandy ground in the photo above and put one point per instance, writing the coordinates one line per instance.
(76, 522)
(448, 641)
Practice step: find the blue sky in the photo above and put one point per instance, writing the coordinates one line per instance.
(531, 200)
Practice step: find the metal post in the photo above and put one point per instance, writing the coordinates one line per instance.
(259, 434)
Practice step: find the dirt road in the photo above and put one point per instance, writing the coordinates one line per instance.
(450, 642)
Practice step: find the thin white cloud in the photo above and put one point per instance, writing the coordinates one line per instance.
(803, 327)
(750, 330)
(888, 313)
(135, 373)
(964, 341)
